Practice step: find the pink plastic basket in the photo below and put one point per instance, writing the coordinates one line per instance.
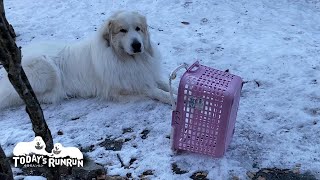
(203, 118)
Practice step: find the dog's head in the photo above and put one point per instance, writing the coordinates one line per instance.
(57, 147)
(39, 143)
(127, 33)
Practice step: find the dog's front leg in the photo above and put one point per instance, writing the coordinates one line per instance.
(163, 86)
(159, 94)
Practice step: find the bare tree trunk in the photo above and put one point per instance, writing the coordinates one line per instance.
(5, 169)
(10, 57)
(9, 26)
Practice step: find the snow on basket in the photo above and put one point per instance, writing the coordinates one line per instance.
(204, 115)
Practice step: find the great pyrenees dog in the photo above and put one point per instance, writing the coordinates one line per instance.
(119, 59)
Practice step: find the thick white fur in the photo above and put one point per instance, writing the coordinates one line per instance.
(101, 66)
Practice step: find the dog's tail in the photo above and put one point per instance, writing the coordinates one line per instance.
(8, 95)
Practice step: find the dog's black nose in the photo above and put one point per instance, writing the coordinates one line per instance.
(136, 45)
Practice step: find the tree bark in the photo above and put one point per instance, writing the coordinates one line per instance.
(9, 26)
(5, 169)
(10, 57)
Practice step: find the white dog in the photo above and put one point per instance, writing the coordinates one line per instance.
(37, 146)
(59, 151)
(118, 60)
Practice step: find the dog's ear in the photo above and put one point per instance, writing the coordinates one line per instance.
(148, 46)
(107, 31)
(145, 29)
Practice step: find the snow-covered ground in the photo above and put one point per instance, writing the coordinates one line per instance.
(273, 45)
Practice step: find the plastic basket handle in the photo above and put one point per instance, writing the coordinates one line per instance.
(194, 67)
(173, 76)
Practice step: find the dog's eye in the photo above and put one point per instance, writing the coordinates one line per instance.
(123, 30)
(137, 29)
